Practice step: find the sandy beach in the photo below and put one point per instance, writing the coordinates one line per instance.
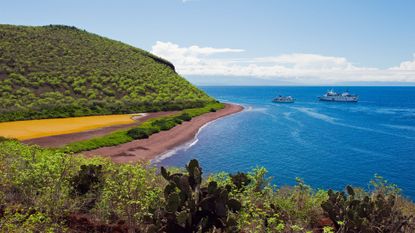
(63, 139)
(159, 143)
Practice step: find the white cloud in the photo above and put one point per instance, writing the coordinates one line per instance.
(406, 65)
(299, 67)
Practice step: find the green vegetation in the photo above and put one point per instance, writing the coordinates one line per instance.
(61, 71)
(43, 190)
(144, 130)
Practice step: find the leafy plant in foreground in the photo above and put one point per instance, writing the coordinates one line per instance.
(88, 177)
(192, 208)
(364, 213)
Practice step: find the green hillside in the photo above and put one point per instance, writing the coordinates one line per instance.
(62, 71)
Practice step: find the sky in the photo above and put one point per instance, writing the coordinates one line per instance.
(237, 42)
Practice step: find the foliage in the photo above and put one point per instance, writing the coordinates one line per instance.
(184, 117)
(42, 189)
(265, 208)
(192, 208)
(360, 212)
(87, 178)
(145, 130)
(60, 71)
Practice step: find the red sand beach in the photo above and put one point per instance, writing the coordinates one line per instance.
(63, 139)
(159, 143)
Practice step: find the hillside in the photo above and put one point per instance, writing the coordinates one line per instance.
(62, 71)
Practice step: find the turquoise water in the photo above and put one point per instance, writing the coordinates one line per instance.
(329, 145)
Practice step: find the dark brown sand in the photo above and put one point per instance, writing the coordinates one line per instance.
(63, 139)
(159, 143)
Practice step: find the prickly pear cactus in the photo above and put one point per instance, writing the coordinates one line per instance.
(192, 208)
(240, 180)
(363, 213)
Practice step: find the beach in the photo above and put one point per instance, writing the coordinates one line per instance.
(162, 142)
(63, 139)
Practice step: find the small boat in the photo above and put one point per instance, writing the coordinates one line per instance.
(337, 97)
(283, 99)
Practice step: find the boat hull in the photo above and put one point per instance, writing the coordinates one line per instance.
(338, 99)
(283, 102)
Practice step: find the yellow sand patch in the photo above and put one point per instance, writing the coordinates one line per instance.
(41, 128)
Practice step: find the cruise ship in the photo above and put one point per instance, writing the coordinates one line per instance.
(337, 97)
(283, 99)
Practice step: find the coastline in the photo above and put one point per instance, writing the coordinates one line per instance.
(59, 140)
(163, 142)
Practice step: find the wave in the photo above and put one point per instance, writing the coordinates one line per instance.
(252, 109)
(404, 127)
(185, 146)
(170, 153)
(310, 112)
(393, 111)
(295, 134)
(287, 116)
(364, 151)
(182, 147)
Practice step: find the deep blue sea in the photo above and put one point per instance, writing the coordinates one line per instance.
(329, 145)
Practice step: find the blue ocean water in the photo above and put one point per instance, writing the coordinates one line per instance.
(329, 145)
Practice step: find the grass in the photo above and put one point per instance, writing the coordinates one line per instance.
(29, 129)
(144, 130)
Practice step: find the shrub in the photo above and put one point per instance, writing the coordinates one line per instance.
(185, 117)
(88, 178)
(366, 213)
(138, 133)
(164, 123)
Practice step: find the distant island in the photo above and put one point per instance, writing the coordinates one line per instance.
(81, 118)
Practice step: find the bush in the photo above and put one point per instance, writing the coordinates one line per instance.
(185, 117)
(165, 123)
(138, 133)
(366, 213)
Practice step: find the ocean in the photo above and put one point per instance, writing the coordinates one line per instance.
(328, 145)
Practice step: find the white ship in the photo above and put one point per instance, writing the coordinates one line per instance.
(283, 99)
(337, 97)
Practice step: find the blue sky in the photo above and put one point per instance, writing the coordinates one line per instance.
(299, 41)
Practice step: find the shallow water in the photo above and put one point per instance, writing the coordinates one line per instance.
(329, 145)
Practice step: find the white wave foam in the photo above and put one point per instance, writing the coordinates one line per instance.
(312, 113)
(169, 153)
(404, 127)
(185, 146)
(252, 109)
(334, 121)
(364, 151)
(392, 111)
(288, 117)
(374, 131)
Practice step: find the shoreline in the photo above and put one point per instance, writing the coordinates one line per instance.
(59, 140)
(163, 142)
(185, 146)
